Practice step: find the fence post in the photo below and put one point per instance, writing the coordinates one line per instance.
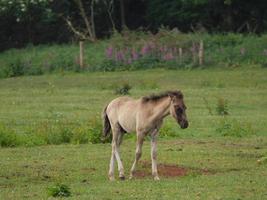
(201, 53)
(81, 59)
(194, 52)
(180, 55)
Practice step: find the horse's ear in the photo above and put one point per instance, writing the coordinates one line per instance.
(180, 95)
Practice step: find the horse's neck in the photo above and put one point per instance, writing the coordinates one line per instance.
(162, 109)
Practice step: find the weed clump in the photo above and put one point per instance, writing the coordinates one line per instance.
(59, 190)
(123, 89)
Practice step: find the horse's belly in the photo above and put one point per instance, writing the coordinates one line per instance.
(128, 123)
(127, 120)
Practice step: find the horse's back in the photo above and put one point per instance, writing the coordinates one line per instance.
(123, 110)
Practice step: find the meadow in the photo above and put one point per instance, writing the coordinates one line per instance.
(38, 112)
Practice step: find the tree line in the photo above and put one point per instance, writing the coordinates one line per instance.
(59, 21)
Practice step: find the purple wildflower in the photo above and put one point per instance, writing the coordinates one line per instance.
(145, 49)
(134, 54)
(109, 52)
(120, 56)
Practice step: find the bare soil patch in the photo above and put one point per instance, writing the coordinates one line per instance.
(167, 170)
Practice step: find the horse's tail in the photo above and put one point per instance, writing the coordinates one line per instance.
(106, 123)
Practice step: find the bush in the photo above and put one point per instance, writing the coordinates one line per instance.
(59, 190)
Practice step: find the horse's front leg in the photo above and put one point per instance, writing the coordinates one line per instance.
(154, 136)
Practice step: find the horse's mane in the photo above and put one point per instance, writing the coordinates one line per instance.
(156, 97)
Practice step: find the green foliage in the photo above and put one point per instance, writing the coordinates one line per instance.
(168, 130)
(8, 137)
(59, 190)
(95, 132)
(235, 128)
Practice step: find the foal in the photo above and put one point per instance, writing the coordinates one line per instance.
(143, 116)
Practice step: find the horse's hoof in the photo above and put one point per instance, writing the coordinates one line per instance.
(111, 178)
(156, 178)
(131, 177)
(122, 178)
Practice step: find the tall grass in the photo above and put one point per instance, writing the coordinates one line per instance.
(46, 132)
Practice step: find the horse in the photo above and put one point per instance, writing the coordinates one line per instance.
(143, 116)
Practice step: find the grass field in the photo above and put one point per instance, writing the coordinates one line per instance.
(227, 147)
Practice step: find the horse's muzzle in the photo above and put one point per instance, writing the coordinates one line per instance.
(184, 124)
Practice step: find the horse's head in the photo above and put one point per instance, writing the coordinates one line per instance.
(178, 108)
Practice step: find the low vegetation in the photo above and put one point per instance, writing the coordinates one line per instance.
(138, 51)
(59, 190)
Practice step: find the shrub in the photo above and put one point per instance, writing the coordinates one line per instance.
(59, 190)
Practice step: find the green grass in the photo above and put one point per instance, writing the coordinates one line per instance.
(26, 173)
(40, 104)
(228, 146)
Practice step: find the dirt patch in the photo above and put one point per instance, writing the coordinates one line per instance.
(168, 170)
(165, 170)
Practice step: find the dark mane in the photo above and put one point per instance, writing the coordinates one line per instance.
(156, 97)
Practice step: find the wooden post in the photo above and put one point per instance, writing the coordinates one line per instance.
(81, 60)
(194, 53)
(180, 55)
(201, 53)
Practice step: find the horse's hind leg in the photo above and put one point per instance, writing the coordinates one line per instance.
(138, 151)
(117, 135)
(112, 161)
